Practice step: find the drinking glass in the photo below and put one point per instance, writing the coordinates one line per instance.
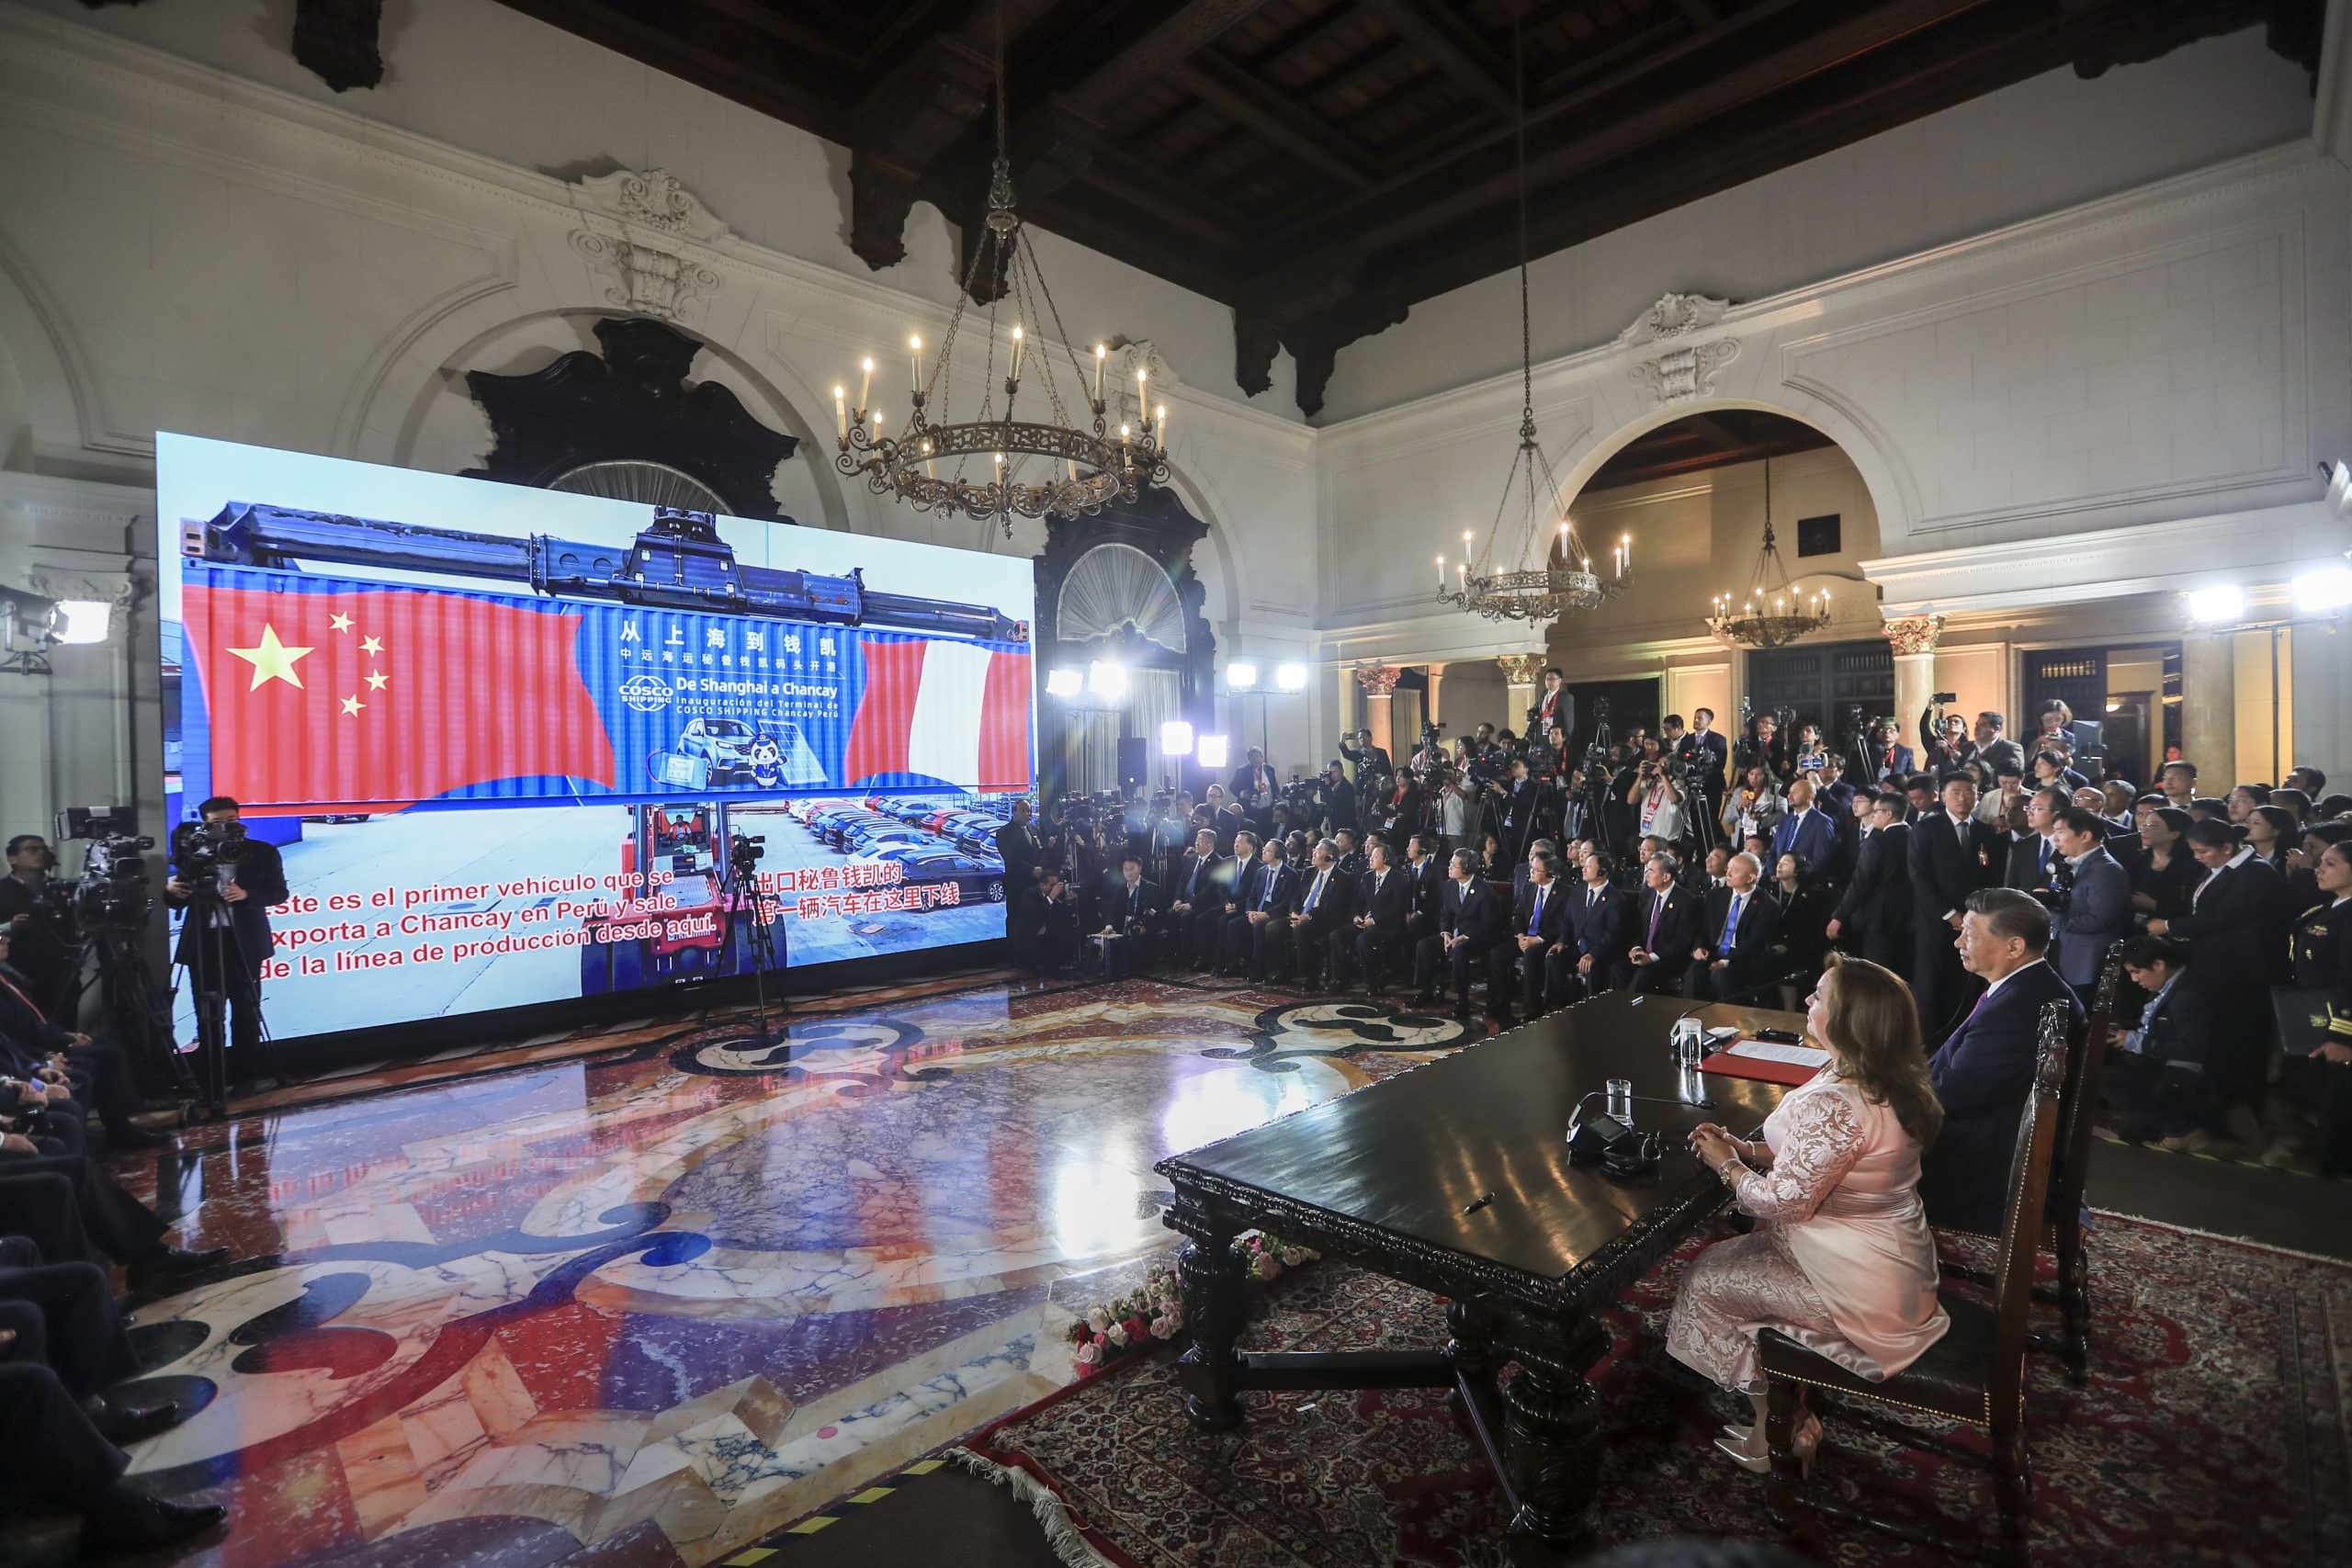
(1620, 1101)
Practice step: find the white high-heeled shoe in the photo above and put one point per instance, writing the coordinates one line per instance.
(1748, 1447)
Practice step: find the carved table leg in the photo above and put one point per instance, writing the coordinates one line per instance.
(1552, 1439)
(1211, 1278)
(1471, 1351)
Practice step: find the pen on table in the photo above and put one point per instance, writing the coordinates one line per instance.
(1474, 1208)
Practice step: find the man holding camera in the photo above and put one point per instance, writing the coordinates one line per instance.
(1339, 797)
(230, 883)
(34, 911)
(1370, 761)
(1706, 755)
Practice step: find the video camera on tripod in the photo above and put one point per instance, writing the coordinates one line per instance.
(111, 895)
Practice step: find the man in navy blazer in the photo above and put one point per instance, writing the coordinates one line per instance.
(1984, 1070)
(1805, 829)
(1266, 894)
(2096, 910)
(1891, 760)
(1599, 929)
(1667, 920)
(1469, 921)
(1539, 922)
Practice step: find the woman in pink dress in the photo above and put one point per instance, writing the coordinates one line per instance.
(1840, 1258)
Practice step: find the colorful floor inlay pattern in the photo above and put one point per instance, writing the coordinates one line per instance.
(660, 1301)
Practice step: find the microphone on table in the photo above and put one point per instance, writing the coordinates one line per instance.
(1613, 1145)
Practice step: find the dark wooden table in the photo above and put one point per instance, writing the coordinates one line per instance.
(1390, 1178)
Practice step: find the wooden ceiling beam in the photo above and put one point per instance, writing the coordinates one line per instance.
(1454, 48)
(1192, 27)
(747, 67)
(1276, 118)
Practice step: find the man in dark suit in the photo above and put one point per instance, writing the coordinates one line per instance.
(1016, 846)
(1371, 761)
(1735, 952)
(1326, 905)
(1516, 803)
(2236, 927)
(1339, 797)
(1538, 919)
(1983, 1071)
(2155, 1077)
(1267, 894)
(2096, 910)
(2034, 857)
(1425, 874)
(1709, 756)
(1599, 929)
(1469, 917)
(1198, 902)
(1804, 830)
(1667, 918)
(1952, 856)
(1252, 789)
(1996, 752)
(97, 1074)
(1876, 908)
(1375, 930)
(1134, 905)
(1555, 707)
(1891, 760)
(251, 882)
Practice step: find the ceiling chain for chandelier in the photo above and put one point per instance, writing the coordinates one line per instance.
(1532, 587)
(1036, 469)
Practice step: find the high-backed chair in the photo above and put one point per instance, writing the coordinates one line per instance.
(2069, 1174)
(1974, 1373)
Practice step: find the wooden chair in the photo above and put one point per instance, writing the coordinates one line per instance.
(1974, 1373)
(2069, 1173)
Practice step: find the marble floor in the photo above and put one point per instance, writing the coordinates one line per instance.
(644, 1307)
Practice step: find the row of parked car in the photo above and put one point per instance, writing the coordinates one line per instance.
(928, 842)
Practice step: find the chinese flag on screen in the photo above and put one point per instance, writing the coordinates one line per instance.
(387, 697)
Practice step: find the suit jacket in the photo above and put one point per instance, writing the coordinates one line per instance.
(1903, 763)
(1201, 878)
(2179, 1030)
(1333, 908)
(1144, 902)
(1600, 931)
(1553, 925)
(1553, 707)
(261, 872)
(1678, 926)
(1385, 899)
(1981, 1074)
(2237, 930)
(1879, 897)
(1422, 892)
(1758, 918)
(23, 1026)
(1718, 758)
(1943, 874)
(2024, 869)
(1016, 846)
(2002, 756)
(2098, 911)
(1255, 895)
(1476, 914)
(1811, 835)
(1241, 787)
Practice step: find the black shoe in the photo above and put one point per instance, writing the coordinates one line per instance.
(124, 1423)
(165, 1265)
(131, 1521)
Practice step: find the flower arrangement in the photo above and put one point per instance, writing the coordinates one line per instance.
(1154, 1312)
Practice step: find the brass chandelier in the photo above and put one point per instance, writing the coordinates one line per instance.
(1772, 614)
(1033, 467)
(1536, 585)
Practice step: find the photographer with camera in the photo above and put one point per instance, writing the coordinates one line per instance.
(228, 883)
(1370, 761)
(1763, 746)
(1337, 796)
(1252, 789)
(1755, 808)
(1705, 753)
(37, 911)
(1656, 797)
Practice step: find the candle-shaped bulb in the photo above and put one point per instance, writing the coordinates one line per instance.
(1123, 433)
(1019, 344)
(866, 381)
(841, 412)
(914, 347)
(1101, 353)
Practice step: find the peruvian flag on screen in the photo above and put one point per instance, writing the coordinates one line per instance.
(386, 695)
(951, 711)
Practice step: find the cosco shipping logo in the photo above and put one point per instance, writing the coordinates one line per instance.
(646, 693)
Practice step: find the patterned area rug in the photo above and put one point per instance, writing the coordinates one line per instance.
(2213, 1432)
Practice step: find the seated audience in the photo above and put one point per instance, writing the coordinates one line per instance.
(1600, 928)
(1734, 953)
(1840, 1256)
(1667, 921)
(1470, 917)
(2154, 1080)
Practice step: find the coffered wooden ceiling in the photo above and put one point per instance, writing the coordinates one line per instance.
(1321, 165)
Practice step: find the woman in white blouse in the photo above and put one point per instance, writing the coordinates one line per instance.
(1840, 1258)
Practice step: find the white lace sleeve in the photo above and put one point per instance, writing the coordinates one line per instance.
(1824, 1138)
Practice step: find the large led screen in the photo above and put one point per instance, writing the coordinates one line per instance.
(504, 737)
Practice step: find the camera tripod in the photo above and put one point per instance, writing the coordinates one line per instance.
(210, 946)
(134, 1011)
(739, 892)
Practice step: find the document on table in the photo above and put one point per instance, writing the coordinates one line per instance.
(1793, 1055)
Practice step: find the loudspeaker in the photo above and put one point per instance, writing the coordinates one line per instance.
(1131, 760)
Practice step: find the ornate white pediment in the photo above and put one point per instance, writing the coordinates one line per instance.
(638, 226)
(1680, 373)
